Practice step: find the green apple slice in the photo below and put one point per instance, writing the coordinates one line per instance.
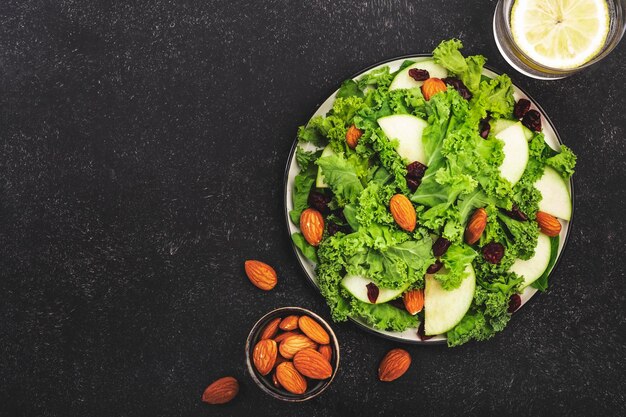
(319, 181)
(445, 309)
(407, 130)
(515, 152)
(404, 81)
(532, 269)
(499, 125)
(357, 286)
(555, 194)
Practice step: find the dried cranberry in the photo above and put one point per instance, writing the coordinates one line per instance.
(521, 108)
(419, 74)
(493, 252)
(532, 120)
(412, 184)
(421, 333)
(339, 214)
(332, 228)
(416, 170)
(516, 213)
(372, 292)
(319, 201)
(434, 267)
(484, 128)
(441, 246)
(514, 303)
(459, 86)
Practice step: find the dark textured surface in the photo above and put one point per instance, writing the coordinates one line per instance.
(142, 155)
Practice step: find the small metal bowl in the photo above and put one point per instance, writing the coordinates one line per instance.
(315, 387)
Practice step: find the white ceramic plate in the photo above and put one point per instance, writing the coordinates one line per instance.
(410, 335)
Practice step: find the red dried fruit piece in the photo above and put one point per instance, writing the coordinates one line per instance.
(412, 184)
(516, 213)
(459, 86)
(372, 292)
(434, 267)
(416, 170)
(421, 333)
(521, 108)
(514, 303)
(493, 252)
(532, 120)
(484, 127)
(319, 201)
(419, 74)
(441, 246)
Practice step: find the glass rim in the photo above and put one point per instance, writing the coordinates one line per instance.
(612, 40)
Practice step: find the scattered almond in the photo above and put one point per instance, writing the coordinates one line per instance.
(221, 391)
(264, 356)
(413, 301)
(549, 225)
(326, 351)
(261, 274)
(293, 344)
(290, 378)
(311, 363)
(476, 226)
(352, 136)
(312, 226)
(270, 330)
(432, 86)
(394, 365)
(314, 330)
(403, 212)
(289, 323)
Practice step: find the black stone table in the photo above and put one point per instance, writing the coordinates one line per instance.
(142, 150)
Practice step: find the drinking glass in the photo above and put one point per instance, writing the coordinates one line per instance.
(513, 54)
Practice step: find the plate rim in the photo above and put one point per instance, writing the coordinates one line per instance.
(299, 257)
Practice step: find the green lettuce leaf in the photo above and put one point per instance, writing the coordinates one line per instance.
(305, 248)
(342, 177)
(384, 316)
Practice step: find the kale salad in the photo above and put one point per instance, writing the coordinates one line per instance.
(429, 199)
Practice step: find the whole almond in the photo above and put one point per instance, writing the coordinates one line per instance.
(289, 323)
(285, 335)
(394, 365)
(403, 212)
(476, 226)
(289, 377)
(326, 351)
(352, 136)
(549, 225)
(314, 330)
(261, 275)
(293, 344)
(221, 391)
(270, 330)
(264, 356)
(311, 363)
(312, 226)
(413, 301)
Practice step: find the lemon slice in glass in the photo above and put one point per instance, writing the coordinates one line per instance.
(560, 34)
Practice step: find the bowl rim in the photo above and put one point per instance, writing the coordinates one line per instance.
(290, 157)
(252, 339)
